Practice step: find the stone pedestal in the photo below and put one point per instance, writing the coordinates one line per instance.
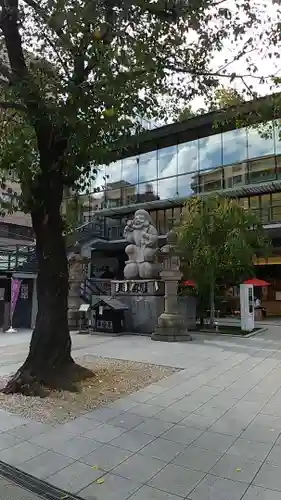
(171, 324)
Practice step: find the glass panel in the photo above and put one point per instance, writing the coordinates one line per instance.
(129, 194)
(148, 166)
(255, 205)
(211, 181)
(161, 222)
(276, 207)
(147, 192)
(259, 145)
(265, 201)
(113, 172)
(169, 218)
(113, 196)
(278, 166)
(177, 213)
(153, 215)
(235, 175)
(234, 146)
(244, 202)
(167, 188)
(188, 157)
(167, 161)
(210, 152)
(130, 170)
(100, 180)
(187, 185)
(277, 136)
(262, 170)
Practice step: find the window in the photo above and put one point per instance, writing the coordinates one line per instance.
(260, 140)
(234, 146)
(187, 185)
(188, 157)
(147, 192)
(113, 172)
(235, 176)
(210, 152)
(148, 166)
(130, 167)
(277, 136)
(265, 202)
(167, 162)
(262, 170)
(167, 188)
(276, 207)
(211, 181)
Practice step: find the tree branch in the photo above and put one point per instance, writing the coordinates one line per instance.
(51, 23)
(13, 105)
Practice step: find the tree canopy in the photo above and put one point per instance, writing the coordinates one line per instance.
(218, 240)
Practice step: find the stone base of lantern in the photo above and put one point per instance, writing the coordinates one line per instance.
(171, 328)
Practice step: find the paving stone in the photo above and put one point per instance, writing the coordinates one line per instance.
(250, 449)
(214, 441)
(229, 426)
(106, 457)
(132, 440)
(77, 447)
(8, 440)
(46, 464)
(196, 458)
(186, 405)
(172, 416)
(9, 421)
(146, 410)
(260, 433)
(104, 433)
(75, 477)
(142, 397)
(153, 427)
(162, 449)
(52, 438)
(271, 409)
(126, 421)
(216, 488)
(256, 493)
(21, 453)
(274, 456)
(177, 480)
(80, 425)
(29, 430)
(236, 468)
(273, 421)
(113, 488)
(198, 421)
(139, 468)
(182, 434)
(148, 493)
(269, 476)
(104, 414)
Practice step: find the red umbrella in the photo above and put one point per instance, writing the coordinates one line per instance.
(189, 283)
(256, 282)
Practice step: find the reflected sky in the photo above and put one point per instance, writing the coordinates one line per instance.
(206, 154)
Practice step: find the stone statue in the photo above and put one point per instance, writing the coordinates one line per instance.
(142, 236)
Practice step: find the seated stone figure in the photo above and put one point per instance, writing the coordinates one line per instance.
(142, 237)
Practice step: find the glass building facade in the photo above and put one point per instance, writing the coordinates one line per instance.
(222, 161)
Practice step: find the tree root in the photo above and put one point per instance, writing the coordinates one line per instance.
(39, 384)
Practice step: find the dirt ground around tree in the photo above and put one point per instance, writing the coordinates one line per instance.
(113, 378)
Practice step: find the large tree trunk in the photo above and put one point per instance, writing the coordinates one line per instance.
(49, 356)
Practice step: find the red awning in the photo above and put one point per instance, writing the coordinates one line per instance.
(256, 282)
(189, 283)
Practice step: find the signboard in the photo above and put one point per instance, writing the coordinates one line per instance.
(247, 308)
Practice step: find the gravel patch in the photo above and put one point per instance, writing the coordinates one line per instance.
(113, 379)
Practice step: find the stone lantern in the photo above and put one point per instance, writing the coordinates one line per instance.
(171, 324)
(78, 267)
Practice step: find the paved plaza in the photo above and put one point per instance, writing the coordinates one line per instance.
(211, 431)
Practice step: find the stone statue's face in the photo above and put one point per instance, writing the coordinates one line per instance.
(140, 221)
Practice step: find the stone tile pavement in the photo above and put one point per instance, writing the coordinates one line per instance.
(211, 431)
